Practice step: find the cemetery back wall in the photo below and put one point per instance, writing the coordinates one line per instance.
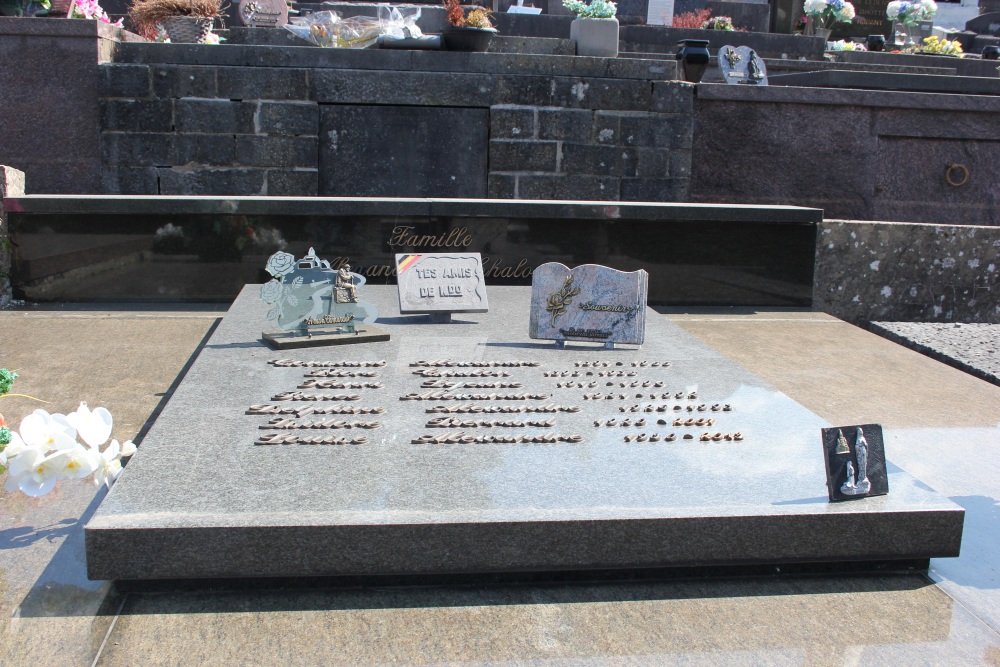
(299, 121)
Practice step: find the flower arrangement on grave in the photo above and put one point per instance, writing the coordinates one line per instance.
(842, 45)
(910, 13)
(942, 47)
(91, 9)
(147, 16)
(44, 450)
(694, 19)
(801, 24)
(718, 23)
(477, 18)
(595, 9)
(825, 13)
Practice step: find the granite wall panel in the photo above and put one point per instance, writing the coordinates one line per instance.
(363, 152)
(907, 272)
(50, 121)
(855, 156)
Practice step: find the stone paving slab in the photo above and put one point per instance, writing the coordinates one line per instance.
(971, 347)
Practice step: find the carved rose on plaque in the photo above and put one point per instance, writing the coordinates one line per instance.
(280, 264)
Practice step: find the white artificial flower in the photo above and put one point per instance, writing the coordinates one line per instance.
(847, 12)
(892, 10)
(128, 449)
(33, 473)
(109, 466)
(45, 431)
(929, 9)
(13, 448)
(77, 462)
(94, 428)
(815, 7)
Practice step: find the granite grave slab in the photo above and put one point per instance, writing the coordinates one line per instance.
(469, 448)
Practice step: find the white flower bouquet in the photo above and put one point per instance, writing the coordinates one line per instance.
(827, 12)
(910, 13)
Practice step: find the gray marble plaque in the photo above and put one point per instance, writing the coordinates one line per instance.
(442, 282)
(263, 13)
(742, 65)
(589, 303)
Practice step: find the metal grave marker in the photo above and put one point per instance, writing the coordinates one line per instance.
(742, 65)
(589, 303)
(313, 304)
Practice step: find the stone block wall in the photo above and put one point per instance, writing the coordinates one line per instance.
(391, 123)
(907, 272)
(554, 153)
(192, 130)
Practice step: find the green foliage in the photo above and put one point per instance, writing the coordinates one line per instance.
(6, 380)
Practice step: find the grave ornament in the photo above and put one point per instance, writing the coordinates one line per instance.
(590, 303)
(855, 462)
(263, 13)
(313, 304)
(439, 284)
(742, 65)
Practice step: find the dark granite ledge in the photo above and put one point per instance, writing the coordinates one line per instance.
(846, 97)
(239, 55)
(44, 27)
(308, 206)
(926, 83)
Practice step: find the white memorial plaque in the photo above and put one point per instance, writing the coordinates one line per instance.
(441, 283)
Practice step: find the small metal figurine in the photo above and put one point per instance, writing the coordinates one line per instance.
(346, 291)
(753, 68)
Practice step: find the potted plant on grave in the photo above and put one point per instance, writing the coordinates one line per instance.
(472, 31)
(186, 21)
(595, 28)
(825, 13)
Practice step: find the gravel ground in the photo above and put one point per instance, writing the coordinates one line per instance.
(973, 348)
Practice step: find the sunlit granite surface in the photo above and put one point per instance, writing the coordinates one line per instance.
(202, 500)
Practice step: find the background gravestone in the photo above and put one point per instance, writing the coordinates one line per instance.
(985, 24)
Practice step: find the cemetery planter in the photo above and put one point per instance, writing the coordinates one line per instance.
(595, 37)
(187, 29)
(875, 42)
(464, 38)
(692, 58)
(824, 33)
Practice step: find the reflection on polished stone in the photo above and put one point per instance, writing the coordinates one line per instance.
(210, 257)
